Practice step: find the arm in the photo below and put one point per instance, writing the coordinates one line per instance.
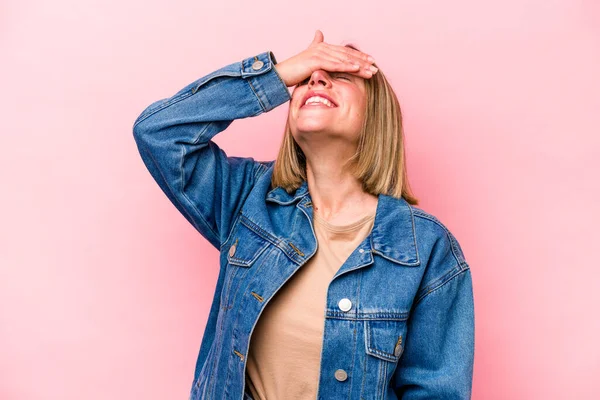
(173, 136)
(437, 361)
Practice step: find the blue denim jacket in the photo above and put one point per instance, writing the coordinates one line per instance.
(409, 330)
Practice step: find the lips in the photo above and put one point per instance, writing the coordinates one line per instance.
(319, 93)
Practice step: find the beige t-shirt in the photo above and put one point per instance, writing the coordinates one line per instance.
(285, 347)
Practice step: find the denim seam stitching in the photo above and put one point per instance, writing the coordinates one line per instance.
(439, 280)
(257, 269)
(281, 244)
(254, 227)
(388, 356)
(449, 236)
(260, 170)
(245, 262)
(229, 235)
(414, 230)
(380, 379)
(282, 82)
(192, 205)
(355, 336)
(169, 186)
(364, 372)
(225, 299)
(461, 271)
(257, 96)
(369, 316)
(161, 106)
(235, 322)
(201, 133)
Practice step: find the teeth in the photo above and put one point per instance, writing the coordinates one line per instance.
(318, 99)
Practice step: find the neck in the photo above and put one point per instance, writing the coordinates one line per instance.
(336, 194)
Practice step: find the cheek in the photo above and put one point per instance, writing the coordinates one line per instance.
(296, 96)
(359, 109)
(293, 106)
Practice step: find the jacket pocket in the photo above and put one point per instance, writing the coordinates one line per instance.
(246, 249)
(384, 345)
(384, 339)
(247, 246)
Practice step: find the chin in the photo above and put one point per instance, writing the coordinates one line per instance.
(314, 124)
(311, 130)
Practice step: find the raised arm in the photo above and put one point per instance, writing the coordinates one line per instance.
(173, 136)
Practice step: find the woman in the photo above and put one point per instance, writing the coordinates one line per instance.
(332, 283)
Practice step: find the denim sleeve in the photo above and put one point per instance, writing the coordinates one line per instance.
(173, 136)
(437, 362)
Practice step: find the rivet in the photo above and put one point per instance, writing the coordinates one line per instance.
(297, 250)
(398, 348)
(240, 355)
(259, 297)
(341, 375)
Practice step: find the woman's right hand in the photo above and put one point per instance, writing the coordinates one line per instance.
(329, 57)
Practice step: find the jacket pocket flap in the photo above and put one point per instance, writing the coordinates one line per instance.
(385, 338)
(247, 246)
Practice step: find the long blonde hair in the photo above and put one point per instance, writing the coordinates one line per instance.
(380, 159)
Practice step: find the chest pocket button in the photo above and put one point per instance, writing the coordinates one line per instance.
(248, 246)
(232, 249)
(385, 338)
(398, 348)
(345, 304)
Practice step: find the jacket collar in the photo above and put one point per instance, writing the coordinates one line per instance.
(393, 235)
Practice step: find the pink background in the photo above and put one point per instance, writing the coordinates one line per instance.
(105, 288)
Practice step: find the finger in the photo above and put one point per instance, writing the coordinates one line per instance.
(365, 70)
(318, 38)
(334, 62)
(350, 52)
(357, 66)
(338, 63)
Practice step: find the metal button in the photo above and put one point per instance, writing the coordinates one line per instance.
(398, 348)
(257, 65)
(345, 304)
(232, 250)
(361, 250)
(341, 375)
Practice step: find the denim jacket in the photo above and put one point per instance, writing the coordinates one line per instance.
(399, 313)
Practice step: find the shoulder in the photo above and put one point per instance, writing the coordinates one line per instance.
(266, 164)
(263, 166)
(436, 240)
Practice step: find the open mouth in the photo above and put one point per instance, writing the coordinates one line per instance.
(318, 102)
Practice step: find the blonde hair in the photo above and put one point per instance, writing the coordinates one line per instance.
(380, 159)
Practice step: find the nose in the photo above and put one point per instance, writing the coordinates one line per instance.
(319, 77)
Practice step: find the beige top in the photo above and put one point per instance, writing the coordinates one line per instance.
(285, 348)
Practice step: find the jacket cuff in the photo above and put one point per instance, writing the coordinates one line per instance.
(268, 86)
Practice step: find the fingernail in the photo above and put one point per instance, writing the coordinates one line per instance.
(373, 68)
(371, 59)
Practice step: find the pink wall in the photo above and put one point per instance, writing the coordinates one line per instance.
(105, 288)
